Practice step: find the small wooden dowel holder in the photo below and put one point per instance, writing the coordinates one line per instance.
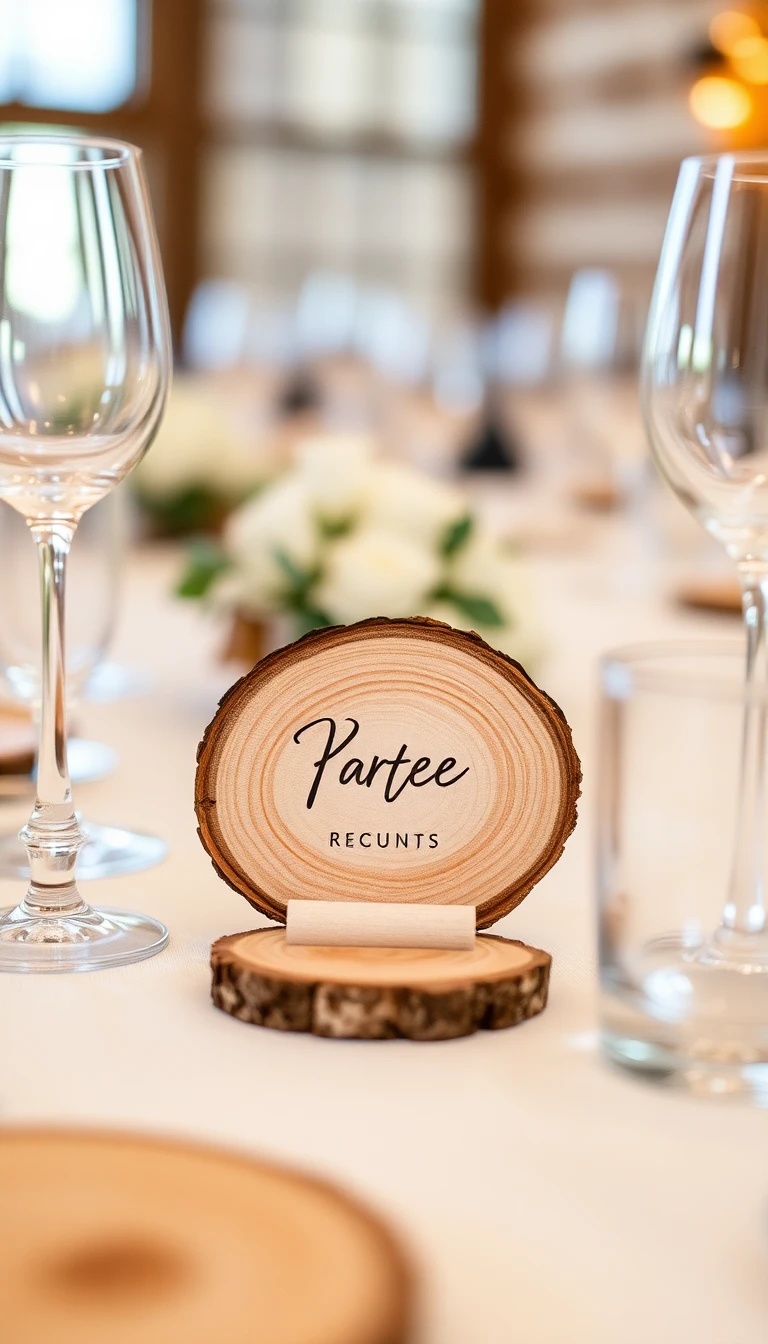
(378, 924)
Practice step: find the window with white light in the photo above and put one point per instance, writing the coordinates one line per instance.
(71, 55)
(341, 136)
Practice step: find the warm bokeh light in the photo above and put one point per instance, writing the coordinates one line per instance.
(750, 59)
(731, 27)
(719, 103)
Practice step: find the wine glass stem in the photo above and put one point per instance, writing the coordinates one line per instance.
(745, 911)
(52, 835)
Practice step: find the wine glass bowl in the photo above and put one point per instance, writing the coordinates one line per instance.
(705, 401)
(84, 347)
(705, 377)
(85, 361)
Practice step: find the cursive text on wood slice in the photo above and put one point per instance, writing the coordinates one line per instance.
(392, 760)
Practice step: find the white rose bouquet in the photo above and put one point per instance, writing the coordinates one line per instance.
(205, 460)
(343, 536)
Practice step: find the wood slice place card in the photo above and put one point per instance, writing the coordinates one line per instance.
(109, 1237)
(395, 762)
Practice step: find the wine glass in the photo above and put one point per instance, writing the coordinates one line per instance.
(599, 354)
(705, 400)
(85, 361)
(93, 580)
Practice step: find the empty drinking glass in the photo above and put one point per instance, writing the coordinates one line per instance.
(668, 803)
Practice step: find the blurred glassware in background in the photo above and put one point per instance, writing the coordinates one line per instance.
(326, 315)
(216, 325)
(398, 346)
(599, 357)
(93, 582)
(393, 337)
(345, 357)
(705, 400)
(669, 764)
(329, 381)
(458, 378)
(514, 357)
(521, 344)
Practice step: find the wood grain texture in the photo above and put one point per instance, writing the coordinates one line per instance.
(122, 1238)
(483, 839)
(375, 994)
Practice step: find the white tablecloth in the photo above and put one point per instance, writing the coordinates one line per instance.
(545, 1198)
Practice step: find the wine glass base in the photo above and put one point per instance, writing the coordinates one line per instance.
(90, 940)
(108, 852)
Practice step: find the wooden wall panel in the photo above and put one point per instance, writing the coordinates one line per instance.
(583, 121)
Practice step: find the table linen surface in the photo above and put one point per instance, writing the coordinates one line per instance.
(543, 1196)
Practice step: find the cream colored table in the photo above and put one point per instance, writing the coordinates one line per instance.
(546, 1198)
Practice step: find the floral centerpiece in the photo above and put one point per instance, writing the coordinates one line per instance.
(205, 461)
(344, 535)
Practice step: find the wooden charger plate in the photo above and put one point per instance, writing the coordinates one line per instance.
(112, 1238)
(298, 795)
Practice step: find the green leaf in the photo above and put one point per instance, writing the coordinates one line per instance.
(299, 580)
(332, 528)
(193, 509)
(311, 618)
(206, 561)
(475, 607)
(457, 535)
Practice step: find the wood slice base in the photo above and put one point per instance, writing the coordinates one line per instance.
(378, 993)
(108, 1237)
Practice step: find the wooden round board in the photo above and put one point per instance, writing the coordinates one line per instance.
(111, 1237)
(392, 760)
(378, 993)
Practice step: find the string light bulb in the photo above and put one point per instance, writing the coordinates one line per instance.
(720, 103)
(730, 28)
(750, 59)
